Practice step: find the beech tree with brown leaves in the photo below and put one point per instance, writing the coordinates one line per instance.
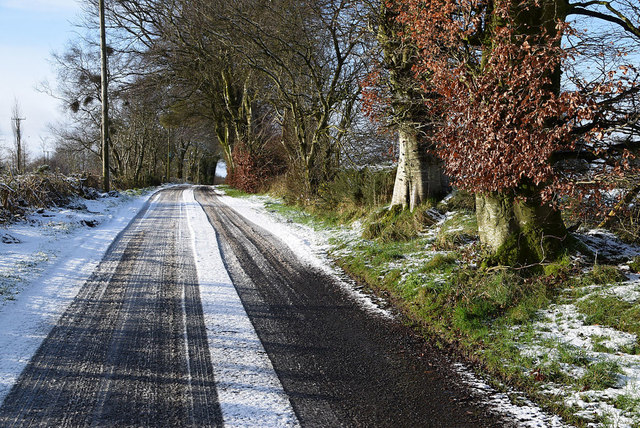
(508, 125)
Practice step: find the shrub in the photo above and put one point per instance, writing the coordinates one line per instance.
(254, 170)
(20, 193)
(363, 187)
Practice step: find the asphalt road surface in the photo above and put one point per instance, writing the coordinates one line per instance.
(132, 348)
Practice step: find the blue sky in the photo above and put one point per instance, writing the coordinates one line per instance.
(29, 31)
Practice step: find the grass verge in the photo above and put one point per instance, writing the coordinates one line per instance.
(504, 321)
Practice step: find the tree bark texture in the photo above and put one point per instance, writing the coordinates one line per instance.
(519, 231)
(419, 174)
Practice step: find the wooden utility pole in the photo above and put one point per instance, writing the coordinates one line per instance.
(105, 101)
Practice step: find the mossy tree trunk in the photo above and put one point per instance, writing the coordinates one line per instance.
(419, 176)
(519, 231)
(517, 227)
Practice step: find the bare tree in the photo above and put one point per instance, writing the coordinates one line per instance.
(312, 53)
(44, 145)
(16, 127)
(249, 68)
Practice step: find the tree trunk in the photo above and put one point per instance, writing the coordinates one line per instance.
(182, 149)
(419, 176)
(519, 231)
(522, 230)
(139, 165)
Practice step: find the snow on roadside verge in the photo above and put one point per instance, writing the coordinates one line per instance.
(249, 391)
(48, 289)
(527, 414)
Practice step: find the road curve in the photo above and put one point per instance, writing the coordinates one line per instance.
(339, 365)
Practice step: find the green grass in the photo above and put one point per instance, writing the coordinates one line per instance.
(233, 192)
(600, 375)
(461, 201)
(441, 263)
(396, 224)
(560, 268)
(458, 230)
(635, 264)
(612, 312)
(294, 214)
(442, 294)
(571, 355)
(627, 403)
(314, 216)
(603, 274)
(599, 346)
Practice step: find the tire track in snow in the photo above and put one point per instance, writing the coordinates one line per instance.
(249, 391)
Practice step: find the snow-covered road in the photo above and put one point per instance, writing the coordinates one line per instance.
(134, 346)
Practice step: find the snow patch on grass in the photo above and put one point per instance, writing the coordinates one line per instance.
(606, 389)
(628, 291)
(606, 245)
(526, 413)
(565, 324)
